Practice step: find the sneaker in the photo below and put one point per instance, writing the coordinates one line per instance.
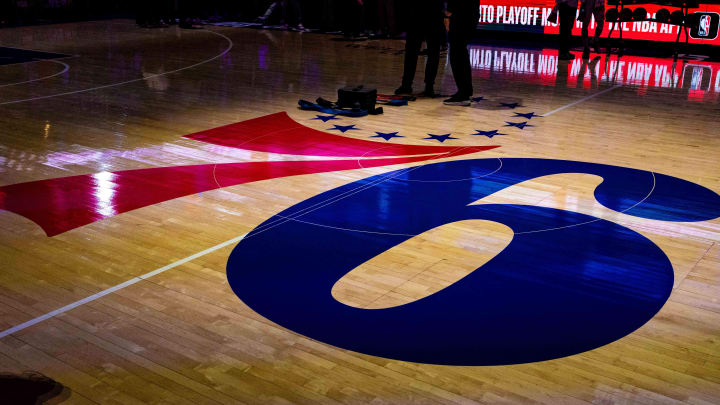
(566, 56)
(458, 101)
(403, 90)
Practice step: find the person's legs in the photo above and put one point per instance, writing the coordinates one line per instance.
(567, 19)
(184, 15)
(461, 30)
(353, 18)
(270, 10)
(413, 41)
(370, 17)
(599, 13)
(328, 15)
(586, 18)
(360, 19)
(141, 13)
(292, 7)
(382, 17)
(387, 16)
(433, 39)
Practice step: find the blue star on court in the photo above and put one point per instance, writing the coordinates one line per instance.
(510, 105)
(489, 134)
(520, 125)
(344, 128)
(477, 99)
(528, 116)
(387, 135)
(325, 118)
(441, 138)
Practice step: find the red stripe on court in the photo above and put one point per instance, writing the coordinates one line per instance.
(278, 133)
(62, 204)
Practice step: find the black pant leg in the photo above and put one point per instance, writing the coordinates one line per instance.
(413, 42)
(141, 13)
(461, 31)
(353, 17)
(183, 10)
(328, 15)
(292, 12)
(567, 19)
(433, 38)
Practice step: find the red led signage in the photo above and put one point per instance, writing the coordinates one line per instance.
(531, 16)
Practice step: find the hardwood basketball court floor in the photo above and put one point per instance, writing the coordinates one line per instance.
(175, 230)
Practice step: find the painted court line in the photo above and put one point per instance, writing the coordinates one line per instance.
(230, 45)
(170, 266)
(42, 78)
(118, 287)
(582, 100)
(652, 189)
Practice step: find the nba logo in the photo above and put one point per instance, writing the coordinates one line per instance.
(705, 25)
(697, 77)
(704, 28)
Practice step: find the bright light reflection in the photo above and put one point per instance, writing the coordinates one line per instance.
(104, 192)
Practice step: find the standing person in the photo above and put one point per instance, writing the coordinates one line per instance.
(328, 16)
(286, 5)
(426, 23)
(386, 17)
(588, 9)
(463, 17)
(297, 14)
(566, 11)
(353, 12)
(187, 12)
(370, 17)
(149, 14)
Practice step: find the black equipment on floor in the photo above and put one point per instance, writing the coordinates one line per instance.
(357, 97)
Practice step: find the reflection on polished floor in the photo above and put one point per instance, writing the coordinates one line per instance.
(176, 230)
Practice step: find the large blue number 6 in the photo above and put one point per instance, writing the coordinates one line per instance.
(557, 289)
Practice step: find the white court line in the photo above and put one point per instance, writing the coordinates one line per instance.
(295, 219)
(41, 78)
(237, 239)
(652, 190)
(336, 198)
(257, 230)
(230, 45)
(581, 100)
(451, 181)
(271, 225)
(117, 287)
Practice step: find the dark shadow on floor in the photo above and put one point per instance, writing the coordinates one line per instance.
(9, 56)
(31, 388)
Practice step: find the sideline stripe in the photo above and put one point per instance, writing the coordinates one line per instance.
(117, 287)
(581, 100)
(42, 78)
(230, 45)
